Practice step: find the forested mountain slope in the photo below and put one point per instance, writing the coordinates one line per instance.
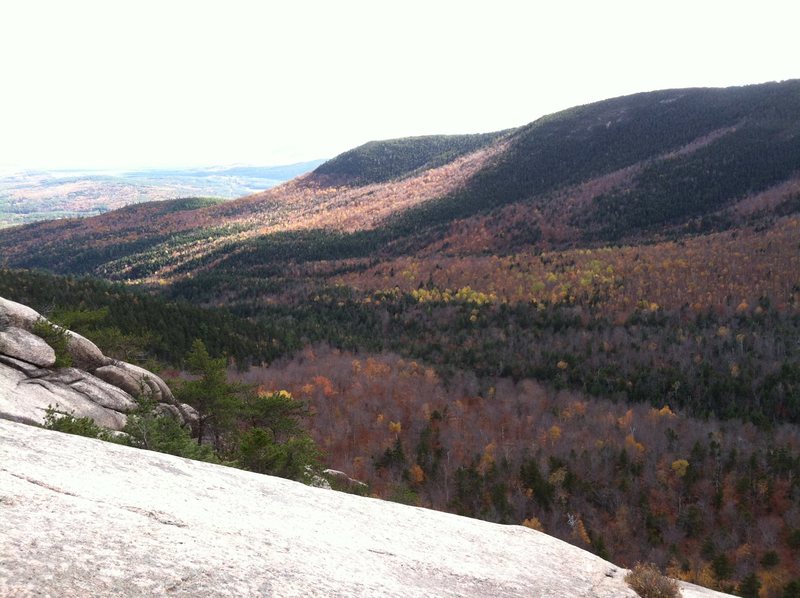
(381, 161)
(632, 168)
(715, 145)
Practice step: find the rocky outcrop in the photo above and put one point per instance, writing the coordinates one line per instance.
(82, 517)
(97, 386)
(84, 352)
(20, 344)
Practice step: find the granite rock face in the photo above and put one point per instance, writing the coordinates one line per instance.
(84, 352)
(97, 386)
(21, 344)
(81, 517)
(18, 315)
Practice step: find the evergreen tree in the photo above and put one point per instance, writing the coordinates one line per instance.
(217, 401)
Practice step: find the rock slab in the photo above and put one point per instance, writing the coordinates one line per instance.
(80, 517)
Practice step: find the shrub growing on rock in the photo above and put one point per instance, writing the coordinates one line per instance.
(68, 423)
(647, 581)
(153, 431)
(57, 338)
(295, 459)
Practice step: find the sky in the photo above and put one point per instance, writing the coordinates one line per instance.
(170, 83)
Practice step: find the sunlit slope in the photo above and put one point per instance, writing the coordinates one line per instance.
(155, 239)
(629, 169)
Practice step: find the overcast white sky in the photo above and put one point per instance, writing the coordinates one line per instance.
(112, 84)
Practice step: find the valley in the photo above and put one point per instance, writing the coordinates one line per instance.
(587, 325)
(31, 196)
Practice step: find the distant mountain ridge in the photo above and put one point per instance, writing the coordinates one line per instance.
(717, 145)
(630, 168)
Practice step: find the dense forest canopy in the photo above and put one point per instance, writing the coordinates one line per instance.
(380, 161)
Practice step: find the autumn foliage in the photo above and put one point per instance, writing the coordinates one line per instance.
(632, 483)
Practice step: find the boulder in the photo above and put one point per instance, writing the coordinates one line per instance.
(84, 352)
(121, 378)
(190, 414)
(25, 346)
(16, 314)
(345, 480)
(159, 389)
(184, 413)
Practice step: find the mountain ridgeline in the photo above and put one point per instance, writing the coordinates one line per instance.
(676, 161)
(759, 147)
(381, 161)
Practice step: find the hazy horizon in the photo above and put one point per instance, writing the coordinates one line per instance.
(147, 85)
(112, 170)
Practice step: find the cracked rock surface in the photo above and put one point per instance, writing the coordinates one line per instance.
(81, 517)
(97, 387)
